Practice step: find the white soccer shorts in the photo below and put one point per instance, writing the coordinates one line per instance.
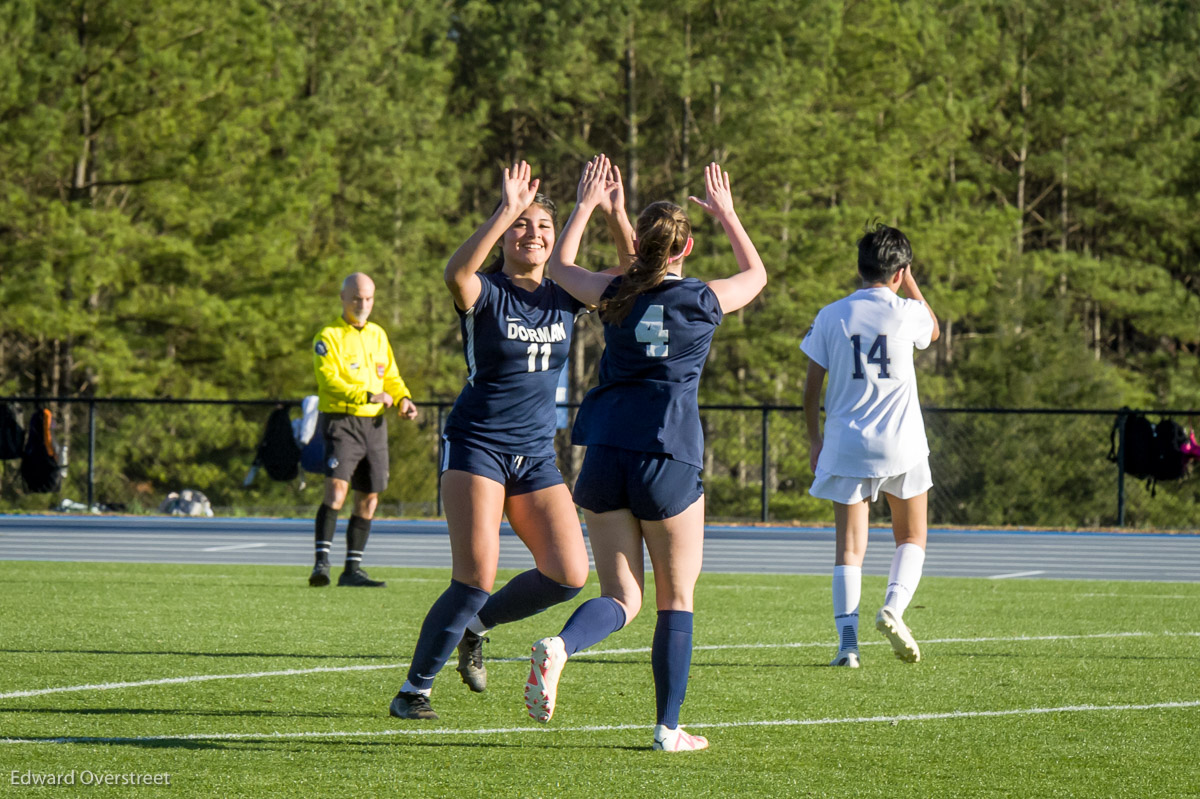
(851, 490)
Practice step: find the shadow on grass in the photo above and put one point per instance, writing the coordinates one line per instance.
(726, 664)
(266, 744)
(401, 740)
(172, 653)
(146, 711)
(157, 743)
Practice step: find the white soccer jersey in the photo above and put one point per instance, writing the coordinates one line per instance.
(873, 424)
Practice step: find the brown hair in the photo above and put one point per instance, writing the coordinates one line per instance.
(663, 230)
(541, 201)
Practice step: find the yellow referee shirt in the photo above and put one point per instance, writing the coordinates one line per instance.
(352, 365)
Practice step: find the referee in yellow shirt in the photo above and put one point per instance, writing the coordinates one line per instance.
(357, 380)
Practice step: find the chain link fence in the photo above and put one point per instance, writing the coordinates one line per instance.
(991, 467)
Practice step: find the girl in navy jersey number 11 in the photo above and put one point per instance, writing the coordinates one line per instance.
(640, 481)
(498, 457)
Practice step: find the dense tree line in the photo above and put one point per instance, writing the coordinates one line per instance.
(185, 184)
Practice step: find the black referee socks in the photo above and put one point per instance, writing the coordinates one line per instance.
(326, 525)
(357, 531)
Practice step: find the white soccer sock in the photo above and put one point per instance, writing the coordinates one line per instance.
(477, 627)
(904, 577)
(409, 688)
(847, 590)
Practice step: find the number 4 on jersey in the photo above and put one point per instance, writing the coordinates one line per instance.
(650, 331)
(877, 355)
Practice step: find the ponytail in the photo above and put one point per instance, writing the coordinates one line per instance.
(663, 230)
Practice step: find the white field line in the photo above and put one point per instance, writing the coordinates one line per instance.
(110, 686)
(953, 715)
(591, 653)
(1138, 596)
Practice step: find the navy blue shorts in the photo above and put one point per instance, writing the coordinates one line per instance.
(649, 485)
(519, 474)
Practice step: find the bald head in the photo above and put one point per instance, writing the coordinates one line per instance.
(358, 297)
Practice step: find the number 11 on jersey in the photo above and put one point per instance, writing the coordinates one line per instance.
(532, 352)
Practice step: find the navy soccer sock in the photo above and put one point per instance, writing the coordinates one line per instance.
(358, 530)
(525, 595)
(591, 623)
(326, 525)
(442, 630)
(671, 659)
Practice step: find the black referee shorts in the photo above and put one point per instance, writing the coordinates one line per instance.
(356, 450)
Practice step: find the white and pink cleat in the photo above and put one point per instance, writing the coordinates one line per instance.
(545, 667)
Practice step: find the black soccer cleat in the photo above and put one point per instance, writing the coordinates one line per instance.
(320, 575)
(470, 661)
(411, 706)
(357, 578)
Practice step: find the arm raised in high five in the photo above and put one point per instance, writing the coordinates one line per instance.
(582, 284)
(739, 290)
(462, 268)
(617, 219)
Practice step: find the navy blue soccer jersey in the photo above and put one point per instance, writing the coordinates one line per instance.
(647, 399)
(516, 342)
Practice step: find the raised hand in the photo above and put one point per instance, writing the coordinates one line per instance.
(593, 185)
(614, 192)
(718, 198)
(738, 290)
(517, 187)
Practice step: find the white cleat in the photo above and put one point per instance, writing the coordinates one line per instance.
(903, 643)
(545, 667)
(676, 740)
(846, 657)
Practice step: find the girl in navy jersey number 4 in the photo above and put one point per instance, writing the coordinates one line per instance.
(498, 457)
(640, 481)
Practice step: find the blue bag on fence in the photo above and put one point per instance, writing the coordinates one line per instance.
(312, 457)
(309, 435)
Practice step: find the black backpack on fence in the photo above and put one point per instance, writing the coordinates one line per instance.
(1152, 451)
(277, 452)
(39, 466)
(1169, 462)
(12, 437)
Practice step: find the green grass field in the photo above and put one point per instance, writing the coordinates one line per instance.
(1027, 689)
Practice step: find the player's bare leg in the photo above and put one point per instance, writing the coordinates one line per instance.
(910, 529)
(676, 547)
(547, 523)
(473, 519)
(616, 539)
(852, 525)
